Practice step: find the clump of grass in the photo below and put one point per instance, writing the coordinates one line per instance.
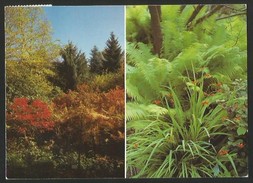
(186, 141)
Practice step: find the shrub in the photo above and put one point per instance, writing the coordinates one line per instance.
(107, 81)
(91, 120)
(28, 118)
(26, 159)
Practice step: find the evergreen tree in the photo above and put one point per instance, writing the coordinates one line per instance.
(96, 63)
(74, 68)
(112, 54)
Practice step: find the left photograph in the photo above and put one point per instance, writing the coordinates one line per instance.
(65, 99)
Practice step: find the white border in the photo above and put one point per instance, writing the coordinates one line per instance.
(125, 87)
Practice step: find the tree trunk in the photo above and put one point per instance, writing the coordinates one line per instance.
(193, 16)
(155, 12)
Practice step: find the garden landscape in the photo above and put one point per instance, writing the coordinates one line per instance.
(136, 91)
(64, 110)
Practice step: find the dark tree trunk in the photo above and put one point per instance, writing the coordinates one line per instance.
(193, 16)
(155, 12)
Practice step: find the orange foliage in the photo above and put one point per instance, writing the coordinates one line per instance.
(94, 115)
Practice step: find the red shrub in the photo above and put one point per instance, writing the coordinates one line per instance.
(24, 115)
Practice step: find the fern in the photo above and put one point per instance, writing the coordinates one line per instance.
(228, 61)
(138, 53)
(195, 57)
(138, 28)
(137, 111)
(144, 81)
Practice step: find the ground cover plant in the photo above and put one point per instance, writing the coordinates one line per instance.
(64, 111)
(186, 89)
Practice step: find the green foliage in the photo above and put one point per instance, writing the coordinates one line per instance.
(29, 52)
(112, 55)
(73, 70)
(22, 80)
(181, 119)
(147, 72)
(28, 35)
(138, 24)
(135, 111)
(179, 137)
(237, 122)
(33, 161)
(107, 81)
(96, 61)
(26, 159)
(91, 167)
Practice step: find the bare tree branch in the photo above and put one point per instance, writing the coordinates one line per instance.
(210, 13)
(233, 15)
(227, 6)
(194, 14)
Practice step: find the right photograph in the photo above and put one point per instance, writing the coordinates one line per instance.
(186, 91)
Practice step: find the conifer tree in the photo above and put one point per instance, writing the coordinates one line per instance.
(74, 68)
(112, 54)
(96, 63)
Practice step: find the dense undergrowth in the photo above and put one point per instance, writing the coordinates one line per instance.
(64, 111)
(186, 104)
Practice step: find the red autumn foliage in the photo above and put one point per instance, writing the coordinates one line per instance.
(29, 114)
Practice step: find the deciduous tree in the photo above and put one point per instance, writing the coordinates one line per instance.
(29, 53)
(28, 35)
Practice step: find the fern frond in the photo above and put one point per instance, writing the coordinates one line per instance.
(228, 61)
(138, 53)
(138, 23)
(137, 111)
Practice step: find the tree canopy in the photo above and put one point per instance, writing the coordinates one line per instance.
(29, 52)
(28, 35)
